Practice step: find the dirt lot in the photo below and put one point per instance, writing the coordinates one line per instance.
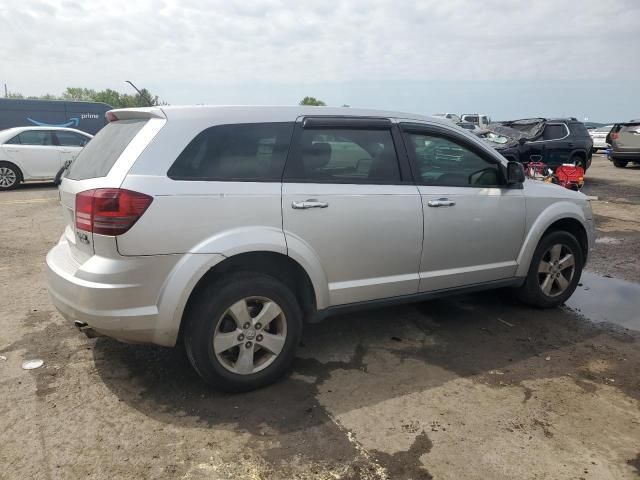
(468, 387)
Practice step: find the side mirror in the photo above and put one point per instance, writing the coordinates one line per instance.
(515, 173)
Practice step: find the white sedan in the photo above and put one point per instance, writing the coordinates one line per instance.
(599, 137)
(37, 153)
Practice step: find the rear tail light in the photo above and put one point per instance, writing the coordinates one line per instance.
(615, 136)
(109, 211)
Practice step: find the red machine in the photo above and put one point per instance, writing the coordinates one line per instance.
(567, 175)
(570, 176)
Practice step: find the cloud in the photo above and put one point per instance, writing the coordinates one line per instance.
(48, 45)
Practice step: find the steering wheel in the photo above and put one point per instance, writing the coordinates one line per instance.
(476, 177)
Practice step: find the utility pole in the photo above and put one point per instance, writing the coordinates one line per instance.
(6, 93)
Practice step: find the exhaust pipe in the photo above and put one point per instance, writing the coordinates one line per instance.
(86, 329)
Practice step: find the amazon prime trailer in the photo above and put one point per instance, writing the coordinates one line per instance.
(86, 116)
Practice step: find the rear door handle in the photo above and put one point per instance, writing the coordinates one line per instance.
(441, 202)
(311, 203)
(13, 150)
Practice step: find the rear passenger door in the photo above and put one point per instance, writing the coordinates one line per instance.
(348, 199)
(554, 147)
(69, 144)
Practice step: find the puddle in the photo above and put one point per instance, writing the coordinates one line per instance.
(603, 299)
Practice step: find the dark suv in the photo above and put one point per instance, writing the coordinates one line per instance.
(624, 139)
(552, 141)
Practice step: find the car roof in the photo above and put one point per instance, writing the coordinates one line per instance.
(12, 132)
(248, 114)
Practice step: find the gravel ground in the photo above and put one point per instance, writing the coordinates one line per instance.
(474, 387)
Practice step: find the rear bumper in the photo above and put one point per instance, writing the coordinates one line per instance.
(115, 297)
(632, 156)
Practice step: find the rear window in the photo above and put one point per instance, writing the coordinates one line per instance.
(239, 152)
(101, 153)
(578, 129)
(630, 128)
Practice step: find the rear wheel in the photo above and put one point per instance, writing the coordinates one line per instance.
(578, 161)
(9, 176)
(554, 272)
(242, 331)
(620, 163)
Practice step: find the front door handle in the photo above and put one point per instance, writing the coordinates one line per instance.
(311, 203)
(441, 202)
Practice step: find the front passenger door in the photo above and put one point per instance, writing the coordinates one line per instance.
(35, 153)
(473, 222)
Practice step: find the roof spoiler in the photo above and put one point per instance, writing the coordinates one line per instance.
(134, 113)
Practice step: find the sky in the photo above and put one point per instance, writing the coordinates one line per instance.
(508, 59)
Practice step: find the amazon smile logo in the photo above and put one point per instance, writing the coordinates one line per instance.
(73, 121)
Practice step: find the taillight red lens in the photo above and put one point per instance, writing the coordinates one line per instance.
(109, 211)
(615, 136)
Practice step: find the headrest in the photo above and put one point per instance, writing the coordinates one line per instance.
(316, 155)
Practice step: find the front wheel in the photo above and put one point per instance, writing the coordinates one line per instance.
(554, 272)
(242, 331)
(619, 163)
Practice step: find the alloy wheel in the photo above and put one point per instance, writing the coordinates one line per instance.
(250, 335)
(8, 177)
(556, 270)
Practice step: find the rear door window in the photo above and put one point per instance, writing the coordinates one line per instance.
(328, 155)
(36, 138)
(239, 152)
(97, 158)
(554, 131)
(70, 139)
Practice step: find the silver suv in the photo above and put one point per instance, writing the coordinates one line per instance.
(228, 228)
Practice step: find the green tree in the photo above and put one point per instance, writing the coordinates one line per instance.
(312, 101)
(108, 96)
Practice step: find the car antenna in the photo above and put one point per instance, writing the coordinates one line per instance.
(140, 93)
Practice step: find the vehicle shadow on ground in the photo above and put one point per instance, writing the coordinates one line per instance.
(362, 359)
(35, 186)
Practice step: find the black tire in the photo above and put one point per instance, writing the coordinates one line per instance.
(207, 310)
(578, 161)
(620, 163)
(9, 170)
(531, 292)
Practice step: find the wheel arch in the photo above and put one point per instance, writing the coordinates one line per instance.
(564, 216)
(280, 266)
